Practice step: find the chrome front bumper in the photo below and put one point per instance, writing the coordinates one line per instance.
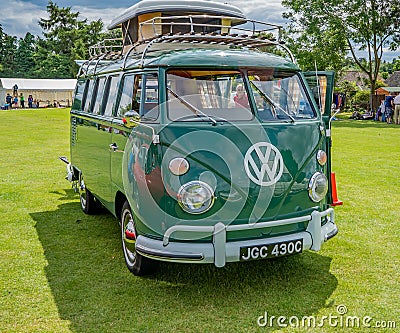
(220, 251)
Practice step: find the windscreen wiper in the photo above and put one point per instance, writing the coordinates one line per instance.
(272, 103)
(192, 108)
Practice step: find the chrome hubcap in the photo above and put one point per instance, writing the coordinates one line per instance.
(129, 236)
(82, 194)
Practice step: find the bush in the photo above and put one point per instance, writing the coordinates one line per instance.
(361, 99)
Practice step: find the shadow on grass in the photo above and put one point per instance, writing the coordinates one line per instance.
(96, 293)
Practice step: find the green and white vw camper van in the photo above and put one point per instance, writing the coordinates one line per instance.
(206, 146)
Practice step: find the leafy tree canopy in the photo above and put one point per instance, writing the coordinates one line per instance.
(358, 25)
(68, 37)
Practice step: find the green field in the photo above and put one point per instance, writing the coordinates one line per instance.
(63, 271)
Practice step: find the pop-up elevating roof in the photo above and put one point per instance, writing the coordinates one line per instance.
(177, 24)
(176, 6)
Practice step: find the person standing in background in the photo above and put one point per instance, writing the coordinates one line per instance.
(389, 108)
(22, 100)
(30, 101)
(9, 101)
(16, 102)
(396, 102)
(15, 90)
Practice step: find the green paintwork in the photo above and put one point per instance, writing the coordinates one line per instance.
(138, 168)
(288, 198)
(229, 58)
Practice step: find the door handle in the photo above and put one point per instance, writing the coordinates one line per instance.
(114, 147)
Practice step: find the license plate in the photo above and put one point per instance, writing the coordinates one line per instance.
(273, 250)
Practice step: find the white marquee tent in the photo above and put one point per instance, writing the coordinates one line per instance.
(46, 91)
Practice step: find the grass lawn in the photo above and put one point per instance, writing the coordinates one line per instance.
(63, 271)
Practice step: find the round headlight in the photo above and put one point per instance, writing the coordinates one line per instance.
(322, 157)
(196, 197)
(178, 166)
(318, 187)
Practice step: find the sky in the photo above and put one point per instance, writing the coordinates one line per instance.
(21, 16)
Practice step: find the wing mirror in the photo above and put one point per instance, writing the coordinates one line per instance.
(131, 119)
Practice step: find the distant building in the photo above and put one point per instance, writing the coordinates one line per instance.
(359, 78)
(393, 86)
(387, 90)
(393, 80)
(46, 91)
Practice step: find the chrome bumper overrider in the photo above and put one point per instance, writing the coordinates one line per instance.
(220, 251)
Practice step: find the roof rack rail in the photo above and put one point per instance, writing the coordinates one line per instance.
(187, 31)
(243, 41)
(197, 22)
(102, 52)
(108, 46)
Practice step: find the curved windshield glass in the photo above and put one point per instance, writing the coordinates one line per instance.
(218, 95)
(207, 95)
(279, 96)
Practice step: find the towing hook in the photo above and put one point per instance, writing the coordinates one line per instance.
(64, 159)
(70, 171)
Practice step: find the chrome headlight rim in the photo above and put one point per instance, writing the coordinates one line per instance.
(314, 193)
(207, 203)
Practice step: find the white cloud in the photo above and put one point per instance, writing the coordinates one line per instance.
(20, 17)
(93, 14)
(389, 55)
(261, 10)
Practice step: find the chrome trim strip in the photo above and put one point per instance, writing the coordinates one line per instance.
(249, 226)
(220, 251)
(168, 255)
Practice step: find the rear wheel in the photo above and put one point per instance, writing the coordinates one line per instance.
(89, 204)
(135, 262)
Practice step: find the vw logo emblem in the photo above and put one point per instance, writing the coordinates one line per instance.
(263, 164)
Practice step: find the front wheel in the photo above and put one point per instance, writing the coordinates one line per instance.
(135, 262)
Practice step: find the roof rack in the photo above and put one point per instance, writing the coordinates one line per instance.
(232, 40)
(256, 35)
(107, 46)
(257, 27)
(102, 53)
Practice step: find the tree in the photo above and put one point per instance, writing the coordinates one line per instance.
(349, 89)
(50, 65)
(396, 64)
(24, 57)
(67, 37)
(8, 46)
(310, 48)
(363, 25)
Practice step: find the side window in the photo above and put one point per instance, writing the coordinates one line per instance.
(125, 102)
(321, 84)
(79, 94)
(90, 95)
(110, 94)
(318, 89)
(98, 96)
(85, 94)
(146, 100)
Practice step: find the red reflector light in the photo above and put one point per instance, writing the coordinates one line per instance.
(130, 234)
